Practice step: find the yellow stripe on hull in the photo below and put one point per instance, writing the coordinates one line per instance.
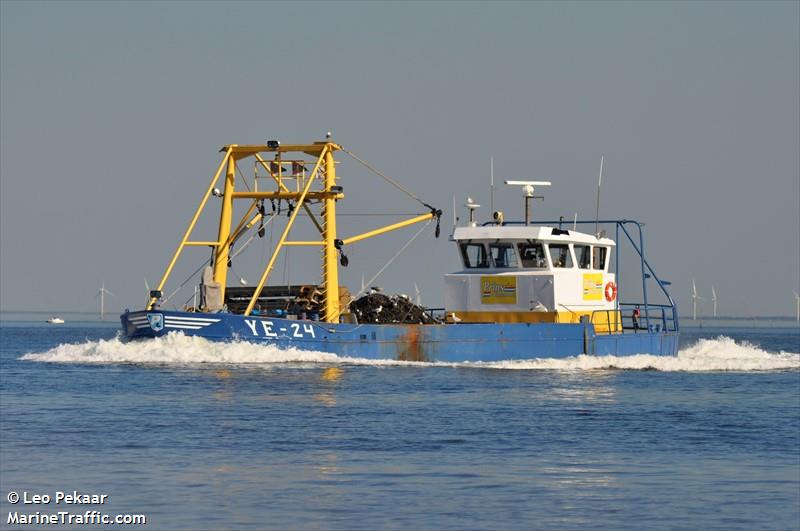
(605, 322)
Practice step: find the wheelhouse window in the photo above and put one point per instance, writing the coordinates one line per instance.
(583, 256)
(474, 255)
(503, 255)
(599, 258)
(560, 255)
(532, 255)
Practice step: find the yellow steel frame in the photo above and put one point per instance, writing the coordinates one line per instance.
(286, 230)
(283, 188)
(325, 169)
(330, 267)
(192, 223)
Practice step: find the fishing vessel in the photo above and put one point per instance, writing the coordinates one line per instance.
(522, 290)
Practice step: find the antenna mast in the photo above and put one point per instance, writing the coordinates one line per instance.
(527, 192)
(597, 211)
(491, 184)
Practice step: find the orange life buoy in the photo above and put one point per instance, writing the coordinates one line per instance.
(611, 291)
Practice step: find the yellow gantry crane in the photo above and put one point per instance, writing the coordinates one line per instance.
(327, 193)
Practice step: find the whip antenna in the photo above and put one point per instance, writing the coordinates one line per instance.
(597, 211)
(491, 184)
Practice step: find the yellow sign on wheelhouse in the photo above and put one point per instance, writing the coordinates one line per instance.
(498, 290)
(593, 286)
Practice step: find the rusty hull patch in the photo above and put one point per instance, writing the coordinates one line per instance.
(410, 346)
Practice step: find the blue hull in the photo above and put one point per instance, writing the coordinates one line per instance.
(445, 342)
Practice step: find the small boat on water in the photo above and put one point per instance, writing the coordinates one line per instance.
(523, 290)
(55, 320)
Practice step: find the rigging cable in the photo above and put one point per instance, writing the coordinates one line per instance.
(209, 261)
(435, 212)
(244, 180)
(389, 180)
(204, 264)
(252, 236)
(392, 259)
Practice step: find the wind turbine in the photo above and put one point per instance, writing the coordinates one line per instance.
(418, 299)
(102, 294)
(797, 300)
(695, 298)
(714, 298)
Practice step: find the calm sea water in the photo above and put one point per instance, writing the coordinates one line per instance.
(255, 438)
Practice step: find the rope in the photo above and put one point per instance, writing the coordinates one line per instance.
(389, 180)
(186, 303)
(243, 178)
(208, 262)
(392, 259)
(243, 247)
(375, 214)
(252, 236)
(205, 263)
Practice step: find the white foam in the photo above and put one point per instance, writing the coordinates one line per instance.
(720, 354)
(176, 349)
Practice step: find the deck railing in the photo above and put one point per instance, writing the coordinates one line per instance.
(652, 316)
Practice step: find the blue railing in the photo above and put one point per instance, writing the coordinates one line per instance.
(658, 317)
(663, 316)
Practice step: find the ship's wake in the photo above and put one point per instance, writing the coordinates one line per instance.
(720, 354)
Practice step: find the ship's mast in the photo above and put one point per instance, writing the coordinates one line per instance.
(302, 196)
(226, 211)
(330, 269)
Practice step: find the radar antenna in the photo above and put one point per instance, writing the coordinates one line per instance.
(472, 206)
(527, 192)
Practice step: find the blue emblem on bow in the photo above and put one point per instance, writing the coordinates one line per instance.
(156, 321)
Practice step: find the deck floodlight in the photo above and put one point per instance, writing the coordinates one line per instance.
(337, 189)
(156, 294)
(216, 192)
(273, 144)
